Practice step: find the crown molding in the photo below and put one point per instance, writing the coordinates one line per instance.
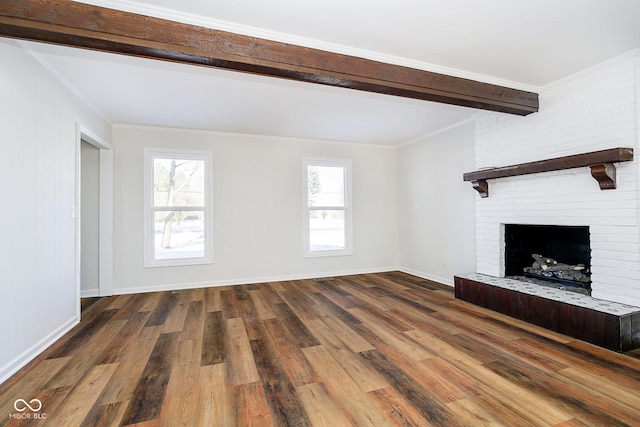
(250, 136)
(633, 53)
(62, 80)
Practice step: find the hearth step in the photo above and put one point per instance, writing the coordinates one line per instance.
(611, 325)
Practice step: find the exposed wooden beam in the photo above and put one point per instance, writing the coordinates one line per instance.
(90, 27)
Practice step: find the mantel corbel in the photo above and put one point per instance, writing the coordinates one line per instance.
(605, 174)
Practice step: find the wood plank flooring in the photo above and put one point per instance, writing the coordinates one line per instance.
(385, 349)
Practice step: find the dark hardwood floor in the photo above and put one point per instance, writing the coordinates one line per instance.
(86, 303)
(384, 349)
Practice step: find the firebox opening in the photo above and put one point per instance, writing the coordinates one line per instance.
(565, 244)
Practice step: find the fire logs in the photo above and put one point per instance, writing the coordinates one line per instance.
(549, 267)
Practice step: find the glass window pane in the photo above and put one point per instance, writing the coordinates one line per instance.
(178, 182)
(325, 185)
(326, 230)
(178, 234)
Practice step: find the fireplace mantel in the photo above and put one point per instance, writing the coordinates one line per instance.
(600, 163)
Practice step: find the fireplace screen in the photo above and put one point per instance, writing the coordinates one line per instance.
(558, 254)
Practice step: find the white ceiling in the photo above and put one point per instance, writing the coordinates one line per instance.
(523, 44)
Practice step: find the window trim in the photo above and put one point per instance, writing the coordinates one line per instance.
(347, 208)
(150, 154)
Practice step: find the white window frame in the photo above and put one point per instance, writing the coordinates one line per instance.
(347, 208)
(150, 154)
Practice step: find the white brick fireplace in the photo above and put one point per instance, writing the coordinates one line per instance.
(594, 110)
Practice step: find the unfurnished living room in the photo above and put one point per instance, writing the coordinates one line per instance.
(336, 213)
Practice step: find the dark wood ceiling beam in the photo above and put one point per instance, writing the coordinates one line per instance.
(90, 27)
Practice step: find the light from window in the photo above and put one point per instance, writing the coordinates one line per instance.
(327, 214)
(178, 222)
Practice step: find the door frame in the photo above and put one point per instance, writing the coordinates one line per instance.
(106, 212)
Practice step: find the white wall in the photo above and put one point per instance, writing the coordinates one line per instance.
(257, 209)
(38, 119)
(436, 208)
(593, 110)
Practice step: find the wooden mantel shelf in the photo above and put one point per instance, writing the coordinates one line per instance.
(600, 163)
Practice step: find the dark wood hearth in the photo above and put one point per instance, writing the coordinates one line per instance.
(618, 332)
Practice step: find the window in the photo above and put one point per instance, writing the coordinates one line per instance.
(327, 211)
(178, 225)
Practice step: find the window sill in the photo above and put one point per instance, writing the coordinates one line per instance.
(326, 254)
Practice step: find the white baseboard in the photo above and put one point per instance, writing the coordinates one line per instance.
(27, 356)
(443, 280)
(247, 281)
(89, 293)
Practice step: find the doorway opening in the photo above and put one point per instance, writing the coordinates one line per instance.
(89, 220)
(94, 217)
